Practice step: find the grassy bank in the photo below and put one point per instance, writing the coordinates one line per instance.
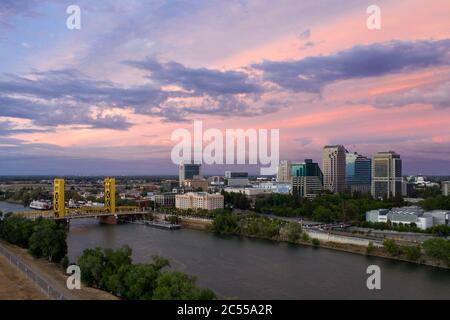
(278, 230)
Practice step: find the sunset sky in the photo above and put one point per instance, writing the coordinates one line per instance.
(105, 99)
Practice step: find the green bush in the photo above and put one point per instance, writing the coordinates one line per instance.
(438, 248)
(179, 286)
(370, 248)
(305, 237)
(412, 253)
(44, 238)
(391, 247)
(315, 242)
(113, 271)
(225, 223)
(294, 231)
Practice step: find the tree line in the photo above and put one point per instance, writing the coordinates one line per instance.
(43, 238)
(258, 226)
(436, 248)
(113, 271)
(326, 207)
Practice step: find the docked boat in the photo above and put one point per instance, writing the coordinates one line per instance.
(40, 205)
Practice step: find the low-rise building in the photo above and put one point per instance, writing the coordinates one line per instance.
(274, 187)
(196, 184)
(236, 179)
(408, 215)
(439, 216)
(166, 199)
(199, 200)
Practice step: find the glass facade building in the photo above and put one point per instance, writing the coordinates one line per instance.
(188, 171)
(386, 175)
(358, 171)
(306, 179)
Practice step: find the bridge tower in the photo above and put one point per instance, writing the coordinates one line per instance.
(110, 195)
(58, 198)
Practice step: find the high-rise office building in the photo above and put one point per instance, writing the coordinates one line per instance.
(333, 167)
(358, 173)
(386, 175)
(284, 171)
(306, 179)
(188, 171)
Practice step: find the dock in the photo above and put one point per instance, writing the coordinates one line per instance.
(161, 225)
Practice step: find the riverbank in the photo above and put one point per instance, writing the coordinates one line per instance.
(348, 244)
(55, 275)
(15, 286)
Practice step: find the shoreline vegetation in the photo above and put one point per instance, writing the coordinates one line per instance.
(433, 252)
(111, 271)
(47, 240)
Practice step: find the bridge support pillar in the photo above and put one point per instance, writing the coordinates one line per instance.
(108, 220)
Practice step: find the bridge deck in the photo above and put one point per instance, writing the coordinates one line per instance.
(80, 213)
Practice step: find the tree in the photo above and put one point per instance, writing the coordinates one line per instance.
(412, 253)
(113, 261)
(391, 247)
(139, 281)
(322, 213)
(438, 248)
(179, 286)
(225, 223)
(294, 231)
(370, 248)
(441, 230)
(17, 230)
(48, 240)
(91, 263)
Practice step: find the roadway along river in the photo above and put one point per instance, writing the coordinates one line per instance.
(256, 269)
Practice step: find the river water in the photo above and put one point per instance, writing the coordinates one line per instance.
(244, 268)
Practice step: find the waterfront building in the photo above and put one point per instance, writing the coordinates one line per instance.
(386, 175)
(199, 200)
(306, 179)
(284, 171)
(358, 173)
(408, 215)
(188, 171)
(440, 216)
(333, 166)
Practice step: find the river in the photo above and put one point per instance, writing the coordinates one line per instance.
(244, 268)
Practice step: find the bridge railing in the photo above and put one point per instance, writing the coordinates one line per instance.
(77, 212)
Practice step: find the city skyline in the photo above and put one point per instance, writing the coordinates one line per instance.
(103, 100)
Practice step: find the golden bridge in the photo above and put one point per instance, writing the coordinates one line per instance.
(109, 213)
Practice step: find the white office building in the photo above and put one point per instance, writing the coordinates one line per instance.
(408, 215)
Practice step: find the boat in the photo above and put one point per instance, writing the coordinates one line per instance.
(40, 205)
